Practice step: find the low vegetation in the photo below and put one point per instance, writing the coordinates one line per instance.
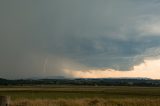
(87, 102)
(82, 95)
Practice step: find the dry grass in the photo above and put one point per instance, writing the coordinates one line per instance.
(83, 96)
(86, 102)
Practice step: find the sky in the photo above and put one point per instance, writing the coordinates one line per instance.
(79, 38)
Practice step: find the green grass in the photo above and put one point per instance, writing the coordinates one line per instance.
(79, 92)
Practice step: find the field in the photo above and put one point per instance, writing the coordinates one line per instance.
(82, 96)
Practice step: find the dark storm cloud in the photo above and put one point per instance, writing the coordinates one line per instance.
(41, 38)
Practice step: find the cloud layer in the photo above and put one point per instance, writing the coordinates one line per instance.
(43, 38)
(148, 69)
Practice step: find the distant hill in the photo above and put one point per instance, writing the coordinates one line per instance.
(48, 77)
(60, 80)
(2, 79)
(142, 78)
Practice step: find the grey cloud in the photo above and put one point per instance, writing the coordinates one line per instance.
(73, 34)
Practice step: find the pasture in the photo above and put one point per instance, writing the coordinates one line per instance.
(82, 95)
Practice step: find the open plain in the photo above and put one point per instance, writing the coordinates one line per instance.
(82, 95)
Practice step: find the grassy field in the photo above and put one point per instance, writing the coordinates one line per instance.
(82, 95)
(87, 102)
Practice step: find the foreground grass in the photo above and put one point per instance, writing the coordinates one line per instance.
(86, 102)
(82, 96)
(79, 92)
